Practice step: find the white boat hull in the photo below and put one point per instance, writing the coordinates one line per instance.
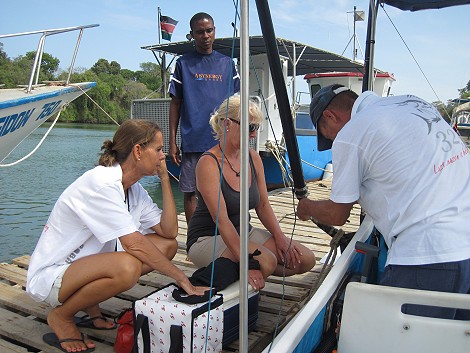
(21, 113)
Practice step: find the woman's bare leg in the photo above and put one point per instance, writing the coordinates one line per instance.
(86, 283)
(168, 247)
(307, 260)
(266, 259)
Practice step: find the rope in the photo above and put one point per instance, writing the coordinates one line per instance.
(279, 317)
(274, 149)
(316, 167)
(153, 92)
(109, 116)
(86, 94)
(38, 145)
(308, 163)
(173, 176)
(416, 61)
(52, 125)
(328, 265)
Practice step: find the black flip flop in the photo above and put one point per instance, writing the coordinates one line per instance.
(52, 340)
(87, 322)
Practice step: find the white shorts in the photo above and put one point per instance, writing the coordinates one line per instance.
(53, 297)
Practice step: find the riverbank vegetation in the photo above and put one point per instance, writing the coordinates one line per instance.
(116, 87)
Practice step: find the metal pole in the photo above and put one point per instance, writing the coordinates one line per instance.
(38, 59)
(282, 98)
(294, 73)
(159, 25)
(354, 34)
(48, 32)
(368, 82)
(285, 113)
(74, 56)
(244, 182)
(37, 63)
(162, 59)
(163, 74)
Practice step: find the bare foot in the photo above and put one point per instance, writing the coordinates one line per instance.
(65, 328)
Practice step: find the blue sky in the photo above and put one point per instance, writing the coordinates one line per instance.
(439, 39)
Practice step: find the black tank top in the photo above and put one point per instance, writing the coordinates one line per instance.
(201, 223)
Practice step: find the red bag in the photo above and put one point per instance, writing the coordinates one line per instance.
(125, 332)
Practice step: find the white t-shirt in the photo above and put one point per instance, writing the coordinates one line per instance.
(410, 172)
(87, 219)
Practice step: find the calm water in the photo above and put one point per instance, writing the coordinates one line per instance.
(30, 189)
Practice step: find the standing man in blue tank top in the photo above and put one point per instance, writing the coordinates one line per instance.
(201, 81)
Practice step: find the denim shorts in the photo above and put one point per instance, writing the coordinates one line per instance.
(187, 181)
(452, 277)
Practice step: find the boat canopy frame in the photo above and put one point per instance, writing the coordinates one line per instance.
(38, 59)
(309, 60)
(416, 5)
(405, 5)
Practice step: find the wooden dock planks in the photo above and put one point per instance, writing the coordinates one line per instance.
(23, 321)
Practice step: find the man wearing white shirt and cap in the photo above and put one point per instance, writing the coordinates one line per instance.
(410, 172)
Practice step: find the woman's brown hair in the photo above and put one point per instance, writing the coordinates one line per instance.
(131, 132)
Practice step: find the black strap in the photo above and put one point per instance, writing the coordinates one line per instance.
(205, 307)
(254, 264)
(253, 169)
(213, 156)
(176, 339)
(181, 296)
(141, 325)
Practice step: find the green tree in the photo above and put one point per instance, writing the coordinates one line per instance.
(3, 54)
(18, 71)
(465, 92)
(101, 67)
(114, 68)
(114, 91)
(445, 110)
(49, 64)
(150, 75)
(128, 75)
(6, 77)
(132, 90)
(21, 70)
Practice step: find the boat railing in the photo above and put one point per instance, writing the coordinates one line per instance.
(34, 77)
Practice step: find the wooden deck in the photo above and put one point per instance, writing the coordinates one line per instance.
(23, 321)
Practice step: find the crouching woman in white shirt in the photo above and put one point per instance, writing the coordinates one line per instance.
(74, 266)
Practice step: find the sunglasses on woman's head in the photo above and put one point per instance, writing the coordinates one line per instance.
(251, 127)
